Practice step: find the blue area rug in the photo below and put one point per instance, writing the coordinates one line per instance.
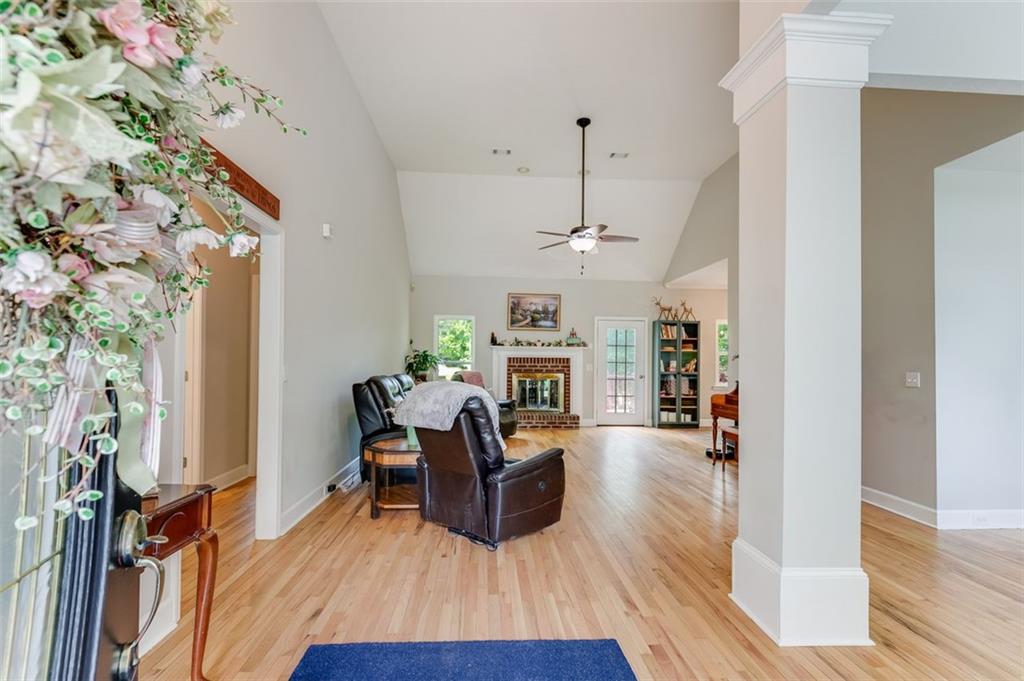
(597, 660)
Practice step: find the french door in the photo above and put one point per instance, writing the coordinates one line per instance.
(620, 361)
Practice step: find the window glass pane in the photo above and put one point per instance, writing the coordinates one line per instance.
(630, 405)
(610, 353)
(630, 387)
(631, 353)
(630, 336)
(620, 405)
(455, 341)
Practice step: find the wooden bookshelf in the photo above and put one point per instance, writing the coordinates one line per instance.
(676, 353)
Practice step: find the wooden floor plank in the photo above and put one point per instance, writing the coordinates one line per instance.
(642, 555)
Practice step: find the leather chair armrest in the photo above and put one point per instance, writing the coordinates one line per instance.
(506, 404)
(511, 471)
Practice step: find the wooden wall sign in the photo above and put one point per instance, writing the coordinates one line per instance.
(246, 185)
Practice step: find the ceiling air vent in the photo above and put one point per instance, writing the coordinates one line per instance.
(501, 152)
(619, 154)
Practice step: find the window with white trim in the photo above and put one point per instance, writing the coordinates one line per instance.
(454, 340)
(721, 353)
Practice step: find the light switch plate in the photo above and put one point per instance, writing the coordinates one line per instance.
(326, 230)
(913, 379)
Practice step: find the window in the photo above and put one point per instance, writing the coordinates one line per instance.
(722, 353)
(453, 343)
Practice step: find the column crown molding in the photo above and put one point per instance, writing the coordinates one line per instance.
(804, 49)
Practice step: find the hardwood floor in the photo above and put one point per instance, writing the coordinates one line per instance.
(642, 555)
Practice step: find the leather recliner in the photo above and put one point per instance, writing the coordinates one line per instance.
(373, 399)
(466, 484)
(508, 418)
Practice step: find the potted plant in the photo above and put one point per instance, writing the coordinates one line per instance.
(419, 363)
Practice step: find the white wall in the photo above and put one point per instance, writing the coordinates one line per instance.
(711, 235)
(582, 300)
(979, 369)
(346, 299)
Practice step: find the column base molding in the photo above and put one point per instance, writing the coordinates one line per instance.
(800, 606)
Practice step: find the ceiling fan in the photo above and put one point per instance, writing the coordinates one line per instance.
(583, 238)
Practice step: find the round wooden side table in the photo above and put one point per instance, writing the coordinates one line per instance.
(385, 455)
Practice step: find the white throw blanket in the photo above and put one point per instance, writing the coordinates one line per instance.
(435, 404)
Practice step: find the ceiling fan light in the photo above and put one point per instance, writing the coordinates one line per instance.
(582, 244)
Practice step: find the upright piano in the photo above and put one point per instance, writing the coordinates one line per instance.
(727, 406)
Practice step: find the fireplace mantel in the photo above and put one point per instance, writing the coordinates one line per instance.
(499, 368)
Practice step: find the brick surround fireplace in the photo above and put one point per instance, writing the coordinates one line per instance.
(529, 369)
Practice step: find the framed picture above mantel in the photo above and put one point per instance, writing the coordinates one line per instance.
(534, 312)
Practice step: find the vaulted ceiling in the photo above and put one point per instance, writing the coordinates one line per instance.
(445, 83)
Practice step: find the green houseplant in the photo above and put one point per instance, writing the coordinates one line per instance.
(418, 363)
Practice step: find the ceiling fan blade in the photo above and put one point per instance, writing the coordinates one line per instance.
(598, 229)
(541, 231)
(612, 238)
(557, 243)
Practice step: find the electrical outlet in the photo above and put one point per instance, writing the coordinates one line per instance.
(913, 379)
(326, 230)
(330, 488)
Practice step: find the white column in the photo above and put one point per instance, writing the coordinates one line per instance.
(796, 99)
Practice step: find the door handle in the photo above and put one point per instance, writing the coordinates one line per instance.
(130, 542)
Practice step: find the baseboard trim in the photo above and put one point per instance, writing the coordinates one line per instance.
(705, 423)
(900, 506)
(229, 478)
(304, 506)
(786, 602)
(981, 519)
(588, 423)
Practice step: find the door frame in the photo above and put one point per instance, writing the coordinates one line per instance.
(270, 399)
(645, 324)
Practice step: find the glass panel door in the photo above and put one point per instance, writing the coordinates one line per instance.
(620, 377)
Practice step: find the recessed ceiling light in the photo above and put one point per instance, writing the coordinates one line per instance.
(501, 152)
(522, 170)
(619, 154)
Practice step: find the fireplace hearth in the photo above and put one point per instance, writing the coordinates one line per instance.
(534, 391)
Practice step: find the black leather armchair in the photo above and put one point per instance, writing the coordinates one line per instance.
(372, 400)
(466, 484)
(508, 419)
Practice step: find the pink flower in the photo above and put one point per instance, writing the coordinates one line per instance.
(163, 41)
(35, 299)
(139, 54)
(74, 266)
(124, 21)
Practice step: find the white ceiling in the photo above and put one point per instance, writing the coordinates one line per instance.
(484, 225)
(1005, 156)
(972, 46)
(447, 82)
(714, 276)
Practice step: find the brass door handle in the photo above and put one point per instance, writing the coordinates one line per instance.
(130, 541)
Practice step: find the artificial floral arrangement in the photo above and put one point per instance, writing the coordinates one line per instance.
(101, 108)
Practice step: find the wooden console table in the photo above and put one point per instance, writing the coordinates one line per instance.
(184, 514)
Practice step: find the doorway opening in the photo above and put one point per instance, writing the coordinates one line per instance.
(222, 368)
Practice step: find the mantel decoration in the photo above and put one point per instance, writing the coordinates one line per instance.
(101, 109)
(573, 341)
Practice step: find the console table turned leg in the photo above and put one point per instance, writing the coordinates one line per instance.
(207, 548)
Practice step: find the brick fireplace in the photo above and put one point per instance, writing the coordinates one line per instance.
(529, 380)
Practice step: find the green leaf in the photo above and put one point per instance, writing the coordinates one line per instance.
(86, 513)
(25, 522)
(139, 85)
(88, 495)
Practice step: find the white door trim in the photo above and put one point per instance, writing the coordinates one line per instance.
(270, 405)
(642, 339)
